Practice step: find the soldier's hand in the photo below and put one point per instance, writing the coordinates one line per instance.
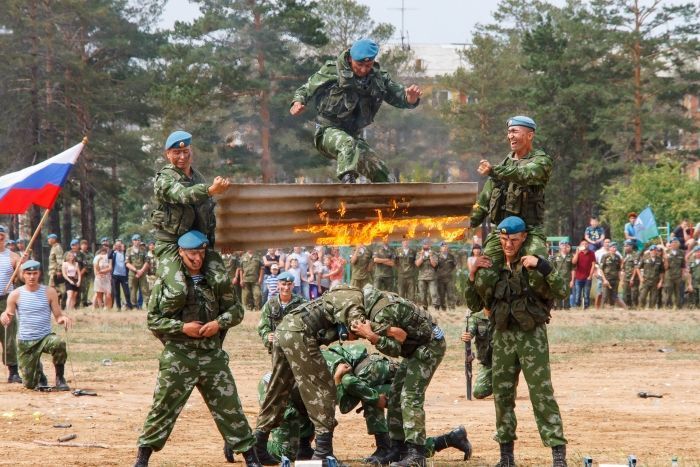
(362, 329)
(340, 371)
(480, 262)
(529, 261)
(209, 329)
(271, 337)
(5, 319)
(397, 334)
(413, 93)
(466, 336)
(219, 185)
(192, 328)
(484, 167)
(66, 321)
(297, 108)
(382, 402)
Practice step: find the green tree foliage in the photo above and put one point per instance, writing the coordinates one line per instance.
(347, 21)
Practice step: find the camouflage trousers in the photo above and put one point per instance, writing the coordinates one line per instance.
(446, 293)
(610, 294)
(483, 387)
(405, 413)
(384, 283)
(170, 271)
(359, 283)
(297, 357)
(182, 368)
(136, 284)
(85, 283)
(352, 153)
(631, 294)
(284, 440)
(515, 350)
(30, 357)
(649, 295)
(427, 293)
(407, 287)
(536, 244)
(674, 288)
(251, 296)
(9, 338)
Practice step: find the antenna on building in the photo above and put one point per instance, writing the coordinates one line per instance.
(404, 34)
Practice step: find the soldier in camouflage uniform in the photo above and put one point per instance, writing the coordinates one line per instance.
(137, 263)
(250, 274)
(652, 279)
(522, 299)
(384, 264)
(184, 202)
(152, 267)
(515, 187)
(564, 267)
(478, 329)
(694, 272)
(232, 263)
(276, 307)
(55, 262)
(347, 94)
(8, 335)
(631, 278)
(426, 262)
(422, 351)
(674, 286)
(193, 357)
(361, 267)
(445, 277)
(87, 273)
(611, 267)
(407, 272)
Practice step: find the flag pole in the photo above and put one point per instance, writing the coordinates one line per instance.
(28, 250)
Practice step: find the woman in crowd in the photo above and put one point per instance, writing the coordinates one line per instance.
(71, 273)
(103, 280)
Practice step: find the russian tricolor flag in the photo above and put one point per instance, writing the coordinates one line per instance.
(39, 184)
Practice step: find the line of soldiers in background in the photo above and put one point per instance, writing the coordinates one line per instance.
(427, 275)
(659, 276)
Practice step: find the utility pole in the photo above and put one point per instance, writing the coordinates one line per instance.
(404, 34)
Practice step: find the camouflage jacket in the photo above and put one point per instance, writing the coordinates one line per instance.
(383, 270)
(694, 269)
(206, 301)
(183, 204)
(55, 259)
(676, 264)
(652, 270)
(250, 266)
(515, 188)
(405, 262)
(345, 101)
(272, 313)
(611, 265)
(629, 263)
(478, 326)
(136, 259)
(446, 267)
(563, 265)
(426, 271)
(363, 265)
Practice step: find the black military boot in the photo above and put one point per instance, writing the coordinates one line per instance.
(415, 457)
(349, 177)
(13, 375)
(457, 439)
(324, 449)
(228, 453)
(559, 456)
(264, 457)
(251, 459)
(142, 456)
(396, 452)
(383, 448)
(43, 380)
(61, 384)
(305, 452)
(507, 456)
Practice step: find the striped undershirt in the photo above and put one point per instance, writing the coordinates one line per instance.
(6, 271)
(34, 314)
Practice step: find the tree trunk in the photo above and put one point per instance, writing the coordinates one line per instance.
(67, 227)
(265, 156)
(115, 200)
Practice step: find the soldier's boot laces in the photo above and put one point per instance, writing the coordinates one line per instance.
(415, 457)
(396, 452)
(507, 456)
(142, 456)
(559, 456)
(305, 451)
(13, 375)
(264, 457)
(251, 459)
(349, 177)
(61, 384)
(383, 448)
(228, 453)
(457, 439)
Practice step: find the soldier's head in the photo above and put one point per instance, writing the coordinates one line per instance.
(3, 236)
(178, 150)
(136, 240)
(84, 245)
(105, 242)
(653, 251)
(362, 55)
(444, 247)
(192, 248)
(52, 239)
(31, 273)
(427, 243)
(285, 284)
(675, 243)
(628, 246)
(21, 244)
(405, 242)
(75, 245)
(512, 234)
(151, 245)
(564, 247)
(521, 133)
(612, 247)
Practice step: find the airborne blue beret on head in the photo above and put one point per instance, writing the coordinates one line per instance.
(54, 236)
(364, 49)
(178, 139)
(522, 120)
(31, 265)
(192, 240)
(512, 225)
(629, 242)
(286, 277)
(136, 237)
(75, 241)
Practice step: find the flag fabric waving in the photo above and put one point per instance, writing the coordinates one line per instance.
(39, 184)
(645, 226)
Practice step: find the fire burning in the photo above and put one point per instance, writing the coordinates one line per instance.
(343, 232)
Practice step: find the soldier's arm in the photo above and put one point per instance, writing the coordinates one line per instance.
(168, 190)
(10, 308)
(265, 325)
(546, 282)
(156, 320)
(481, 209)
(395, 93)
(433, 260)
(357, 387)
(321, 78)
(230, 309)
(472, 298)
(535, 172)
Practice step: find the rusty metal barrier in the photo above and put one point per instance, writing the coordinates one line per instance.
(256, 216)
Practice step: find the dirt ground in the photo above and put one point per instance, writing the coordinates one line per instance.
(596, 386)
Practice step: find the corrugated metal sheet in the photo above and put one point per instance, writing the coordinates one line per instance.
(258, 216)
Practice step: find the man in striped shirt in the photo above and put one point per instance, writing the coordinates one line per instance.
(8, 263)
(34, 303)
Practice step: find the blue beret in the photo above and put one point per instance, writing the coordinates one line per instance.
(613, 244)
(674, 239)
(652, 248)
(364, 49)
(10, 242)
(136, 237)
(192, 240)
(52, 236)
(2, 229)
(629, 242)
(75, 241)
(104, 239)
(564, 242)
(178, 139)
(522, 120)
(512, 225)
(285, 276)
(31, 265)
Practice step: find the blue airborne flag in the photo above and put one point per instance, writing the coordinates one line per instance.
(645, 226)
